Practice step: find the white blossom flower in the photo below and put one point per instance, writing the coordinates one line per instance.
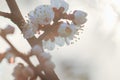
(67, 31)
(44, 14)
(59, 41)
(79, 17)
(32, 18)
(48, 44)
(71, 36)
(28, 31)
(60, 3)
(73, 31)
(64, 30)
(33, 23)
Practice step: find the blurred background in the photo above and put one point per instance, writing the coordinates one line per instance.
(96, 56)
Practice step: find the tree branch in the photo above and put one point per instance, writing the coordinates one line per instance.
(4, 14)
(16, 15)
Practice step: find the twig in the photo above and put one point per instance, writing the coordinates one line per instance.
(4, 14)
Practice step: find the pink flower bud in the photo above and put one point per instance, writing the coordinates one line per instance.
(9, 29)
(36, 50)
(50, 64)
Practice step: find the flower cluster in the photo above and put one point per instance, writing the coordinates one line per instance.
(66, 33)
(22, 72)
(48, 18)
(42, 15)
(44, 56)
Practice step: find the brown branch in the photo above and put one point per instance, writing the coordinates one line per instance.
(16, 15)
(4, 14)
(2, 55)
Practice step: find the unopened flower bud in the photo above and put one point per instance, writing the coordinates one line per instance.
(50, 64)
(27, 31)
(79, 17)
(10, 57)
(9, 29)
(36, 50)
(46, 56)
